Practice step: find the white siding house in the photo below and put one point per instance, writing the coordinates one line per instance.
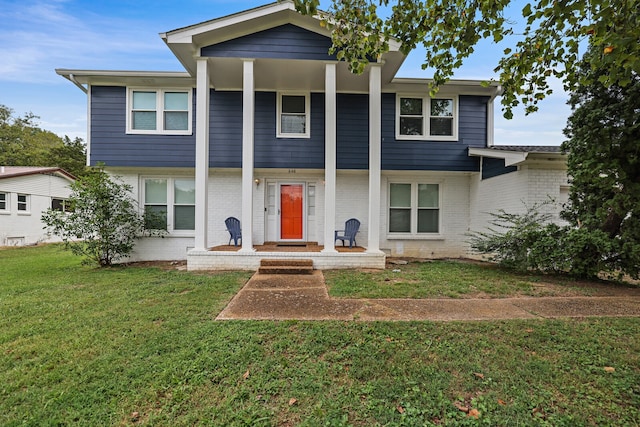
(26, 192)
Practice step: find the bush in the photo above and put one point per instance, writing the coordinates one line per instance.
(103, 220)
(529, 241)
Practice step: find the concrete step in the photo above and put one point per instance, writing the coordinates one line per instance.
(286, 266)
(286, 262)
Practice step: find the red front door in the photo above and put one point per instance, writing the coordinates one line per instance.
(291, 211)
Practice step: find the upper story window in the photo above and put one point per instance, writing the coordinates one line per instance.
(426, 118)
(170, 204)
(165, 111)
(293, 116)
(23, 203)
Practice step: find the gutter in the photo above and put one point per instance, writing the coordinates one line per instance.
(490, 113)
(73, 80)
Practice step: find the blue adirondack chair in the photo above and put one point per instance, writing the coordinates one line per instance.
(351, 228)
(233, 227)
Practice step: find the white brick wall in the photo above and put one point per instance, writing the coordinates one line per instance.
(515, 192)
(465, 203)
(352, 201)
(206, 260)
(454, 217)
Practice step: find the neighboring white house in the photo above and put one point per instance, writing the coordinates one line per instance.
(26, 192)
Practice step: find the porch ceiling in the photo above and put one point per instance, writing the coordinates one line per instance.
(285, 74)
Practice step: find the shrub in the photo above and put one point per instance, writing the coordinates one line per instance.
(103, 220)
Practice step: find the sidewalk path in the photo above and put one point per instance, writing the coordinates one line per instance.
(305, 297)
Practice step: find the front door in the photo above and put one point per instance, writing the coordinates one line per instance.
(291, 211)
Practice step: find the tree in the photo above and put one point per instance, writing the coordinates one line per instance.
(604, 164)
(102, 222)
(549, 46)
(24, 143)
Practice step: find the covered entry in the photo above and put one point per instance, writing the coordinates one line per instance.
(290, 209)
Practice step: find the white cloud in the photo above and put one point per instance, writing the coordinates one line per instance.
(41, 36)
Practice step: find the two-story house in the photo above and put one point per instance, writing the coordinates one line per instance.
(265, 125)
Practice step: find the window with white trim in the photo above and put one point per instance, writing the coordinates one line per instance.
(293, 119)
(414, 208)
(61, 205)
(4, 202)
(426, 118)
(164, 111)
(170, 204)
(23, 203)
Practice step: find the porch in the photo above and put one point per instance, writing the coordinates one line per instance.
(229, 257)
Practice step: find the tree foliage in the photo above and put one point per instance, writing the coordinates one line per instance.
(525, 241)
(102, 222)
(603, 213)
(530, 241)
(24, 143)
(548, 46)
(604, 164)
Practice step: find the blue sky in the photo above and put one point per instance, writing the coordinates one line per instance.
(37, 37)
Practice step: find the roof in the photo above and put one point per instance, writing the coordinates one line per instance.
(528, 148)
(14, 171)
(516, 154)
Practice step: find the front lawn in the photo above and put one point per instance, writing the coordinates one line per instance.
(140, 346)
(458, 279)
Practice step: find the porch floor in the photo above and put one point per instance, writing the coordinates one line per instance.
(228, 257)
(288, 247)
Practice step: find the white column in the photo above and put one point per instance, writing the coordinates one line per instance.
(329, 157)
(375, 139)
(202, 154)
(248, 113)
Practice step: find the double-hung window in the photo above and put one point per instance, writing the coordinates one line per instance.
(170, 204)
(23, 203)
(165, 111)
(61, 205)
(293, 115)
(425, 118)
(414, 208)
(4, 202)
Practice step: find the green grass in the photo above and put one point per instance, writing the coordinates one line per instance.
(139, 346)
(448, 279)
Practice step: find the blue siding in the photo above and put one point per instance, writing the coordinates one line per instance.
(284, 42)
(112, 146)
(352, 131)
(472, 126)
(435, 155)
(225, 130)
(289, 153)
(495, 167)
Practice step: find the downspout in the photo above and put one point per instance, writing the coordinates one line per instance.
(73, 80)
(490, 120)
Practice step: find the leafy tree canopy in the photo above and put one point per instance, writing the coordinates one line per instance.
(603, 231)
(548, 46)
(604, 164)
(24, 143)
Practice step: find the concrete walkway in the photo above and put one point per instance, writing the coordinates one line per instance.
(305, 297)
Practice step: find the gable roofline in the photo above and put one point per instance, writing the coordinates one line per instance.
(459, 86)
(126, 77)
(15, 171)
(188, 32)
(186, 42)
